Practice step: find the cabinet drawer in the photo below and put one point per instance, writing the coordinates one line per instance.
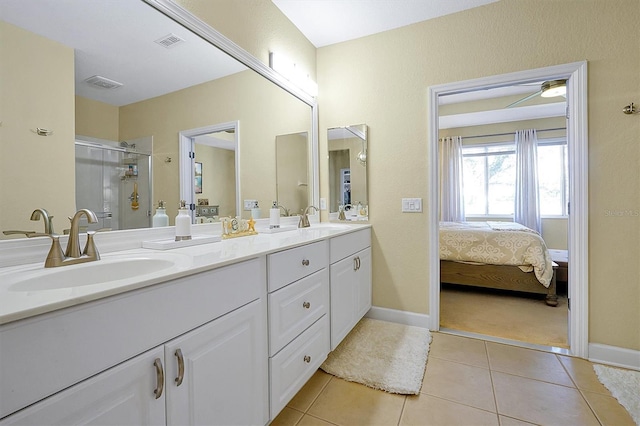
(295, 364)
(288, 266)
(295, 307)
(345, 245)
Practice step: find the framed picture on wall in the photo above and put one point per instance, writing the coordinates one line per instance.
(198, 178)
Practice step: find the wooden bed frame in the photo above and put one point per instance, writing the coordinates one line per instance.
(502, 277)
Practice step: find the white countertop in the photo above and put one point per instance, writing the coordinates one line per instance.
(20, 303)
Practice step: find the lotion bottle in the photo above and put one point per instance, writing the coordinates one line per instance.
(183, 223)
(160, 218)
(274, 216)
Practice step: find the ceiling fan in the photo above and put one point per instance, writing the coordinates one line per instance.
(548, 89)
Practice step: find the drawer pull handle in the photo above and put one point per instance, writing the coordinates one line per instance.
(307, 359)
(180, 377)
(159, 378)
(305, 262)
(356, 263)
(306, 305)
(358, 258)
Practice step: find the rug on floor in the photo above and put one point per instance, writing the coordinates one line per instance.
(382, 355)
(624, 385)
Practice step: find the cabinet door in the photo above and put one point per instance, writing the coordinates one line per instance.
(350, 293)
(122, 395)
(224, 379)
(363, 292)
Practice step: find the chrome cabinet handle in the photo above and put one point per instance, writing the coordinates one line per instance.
(355, 264)
(305, 262)
(159, 378)
(306, 305)
(358, 259)
(307, 359)
(180, 377)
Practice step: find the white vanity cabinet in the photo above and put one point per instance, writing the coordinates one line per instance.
(298, 307)
(194, 348)
(350, 282)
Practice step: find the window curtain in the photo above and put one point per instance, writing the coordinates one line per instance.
(527, 204)
(451, 192)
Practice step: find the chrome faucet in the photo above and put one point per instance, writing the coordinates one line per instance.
(48, 220)
(73, 255)
(304, 219)
(285, 210)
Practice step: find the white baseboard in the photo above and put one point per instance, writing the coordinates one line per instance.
(400, 317)
(614, 355)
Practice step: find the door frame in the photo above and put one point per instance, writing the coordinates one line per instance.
(577, 142)
(186, 141)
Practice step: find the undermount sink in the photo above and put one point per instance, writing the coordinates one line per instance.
(330, 226)
(106, 270)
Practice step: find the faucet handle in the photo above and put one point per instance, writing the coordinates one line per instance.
(90, 247)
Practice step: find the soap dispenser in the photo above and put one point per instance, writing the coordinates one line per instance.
(274, 216)
(160, 218)
(255, 211)
(183, 223)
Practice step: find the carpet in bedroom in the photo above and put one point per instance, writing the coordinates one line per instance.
(500, 314)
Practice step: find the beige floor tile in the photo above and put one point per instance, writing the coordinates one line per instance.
(508, 421)
(308, 420)
(581, 371)
(287, 417)
(608, 409)
(465, 384)
(529, 363)
(429, 410)
(351, 404)
(459, 349)
(540, 402)
(310, 391)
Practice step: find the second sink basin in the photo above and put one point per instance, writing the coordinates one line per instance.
(106, 270)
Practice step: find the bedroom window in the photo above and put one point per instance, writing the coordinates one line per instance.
(489, 178)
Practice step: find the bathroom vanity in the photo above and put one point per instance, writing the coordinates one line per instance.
(227, 337)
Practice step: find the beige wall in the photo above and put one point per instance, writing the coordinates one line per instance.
(218, 177)
(292, 154)
(386, 77)
(262, 108)
(35, 171)
(259, 27)
(96, 119)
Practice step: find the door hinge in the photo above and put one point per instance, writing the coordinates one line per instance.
(192, 154)
(569, 303)
(192, 206)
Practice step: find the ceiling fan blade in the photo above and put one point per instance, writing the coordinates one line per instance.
(531, 96)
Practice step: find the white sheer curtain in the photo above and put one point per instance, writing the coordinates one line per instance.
(451, 194)
(527, 207)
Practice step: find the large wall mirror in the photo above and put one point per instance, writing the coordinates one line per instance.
(348, 172)
(92, 71)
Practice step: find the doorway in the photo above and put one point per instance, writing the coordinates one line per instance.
(575, 74)
(209, 171)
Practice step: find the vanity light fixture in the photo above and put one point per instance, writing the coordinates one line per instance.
(288, 69)
(553, 88)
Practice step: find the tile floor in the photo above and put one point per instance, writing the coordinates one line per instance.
(467, 382)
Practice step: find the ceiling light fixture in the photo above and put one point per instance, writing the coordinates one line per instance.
(553, 88)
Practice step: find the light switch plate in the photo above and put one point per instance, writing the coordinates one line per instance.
(412, 205)
(248, 204)
(323, 203)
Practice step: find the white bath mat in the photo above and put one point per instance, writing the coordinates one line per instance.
(624, 385)
(382, 355)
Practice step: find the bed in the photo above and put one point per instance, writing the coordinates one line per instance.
(498, 255)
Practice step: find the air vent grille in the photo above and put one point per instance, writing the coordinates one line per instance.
(102, 82)
(169, 41)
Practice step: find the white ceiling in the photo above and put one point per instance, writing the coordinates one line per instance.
(115, 39)
(326, 22)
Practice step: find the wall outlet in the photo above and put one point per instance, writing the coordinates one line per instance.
(412, 205)
(248, 204)
(323, 203)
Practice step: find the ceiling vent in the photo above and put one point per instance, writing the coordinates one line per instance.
(169, 41)
(102, 82)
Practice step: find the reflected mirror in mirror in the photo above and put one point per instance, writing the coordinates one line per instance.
(121, 83)
(292, 173)
(348, 172)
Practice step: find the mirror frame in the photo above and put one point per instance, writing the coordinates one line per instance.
(217, 39)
